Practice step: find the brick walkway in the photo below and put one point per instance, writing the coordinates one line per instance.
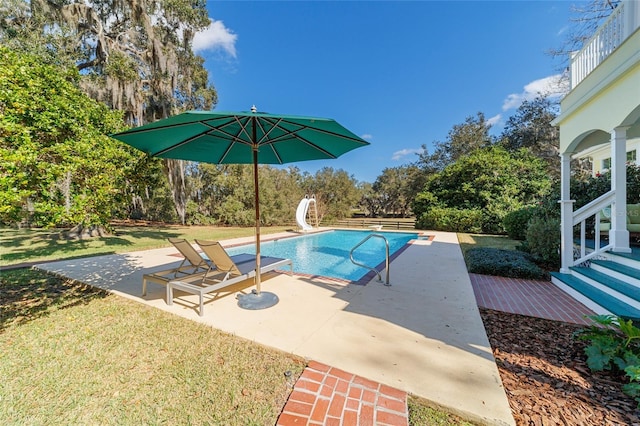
(534, 298)
(328, 396)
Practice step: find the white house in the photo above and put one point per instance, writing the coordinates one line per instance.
(600, 119)
(600, 156)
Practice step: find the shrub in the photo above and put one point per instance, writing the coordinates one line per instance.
(490, 180)
(614, 344)
(504, 263)
(450, 219)
(542, 240)
(492, 218)
(516, 222)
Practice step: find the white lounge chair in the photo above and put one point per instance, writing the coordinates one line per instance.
(193, 266)
(228, 270)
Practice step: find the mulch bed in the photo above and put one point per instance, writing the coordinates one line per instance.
(546, 378)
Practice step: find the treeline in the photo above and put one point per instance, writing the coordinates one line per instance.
(60, 169)
(71, 74)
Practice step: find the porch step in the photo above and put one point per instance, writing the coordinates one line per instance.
(628, 259)
(618, 270)
(606, 300)
(610, 282)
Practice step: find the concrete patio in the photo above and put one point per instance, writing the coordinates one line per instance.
(422, 335)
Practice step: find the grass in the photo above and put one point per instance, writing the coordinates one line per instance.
(74, 354)
(83, 356)
(421, 413)
(469, 241)
(19, 245)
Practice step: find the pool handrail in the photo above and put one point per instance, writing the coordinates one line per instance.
(368, 267)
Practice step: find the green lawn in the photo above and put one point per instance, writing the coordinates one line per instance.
(74, 354)
(468, 241)
(19, 245)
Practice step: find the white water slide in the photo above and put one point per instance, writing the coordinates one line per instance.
(301, 213)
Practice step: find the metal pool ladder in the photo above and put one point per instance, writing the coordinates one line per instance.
(368, 267)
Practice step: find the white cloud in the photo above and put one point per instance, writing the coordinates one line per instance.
(552, 86)
(398, 155)
(494, 120)
(216, 37)
(367, 136)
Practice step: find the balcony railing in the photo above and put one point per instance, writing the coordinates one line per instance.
(623, 21)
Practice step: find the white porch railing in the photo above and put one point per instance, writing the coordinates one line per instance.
(623, 21)
(581, 216)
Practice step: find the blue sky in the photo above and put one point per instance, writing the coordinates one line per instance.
(399, 74)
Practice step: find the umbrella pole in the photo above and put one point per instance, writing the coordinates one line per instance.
(257, 201)
(257, 299)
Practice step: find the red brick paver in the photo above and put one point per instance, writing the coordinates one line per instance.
(328, 396)
(325, 396)
(528, 297)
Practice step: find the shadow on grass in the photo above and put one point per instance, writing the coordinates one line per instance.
(157, 233)
(25, 245)
(28, 294)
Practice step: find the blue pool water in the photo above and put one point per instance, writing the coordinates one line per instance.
(327, 253)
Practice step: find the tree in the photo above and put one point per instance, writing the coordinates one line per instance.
(147, 194)
(586, 19)
(280, 192)
(225, 194)
(22, 31)
(395, 189)
(370, 200)
(491, 181)
(336, 192)
(234, 193)
(55, 157)
(462, 139)
(134, 56)
(530, 127)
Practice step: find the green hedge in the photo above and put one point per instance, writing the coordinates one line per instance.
(452, 220)
(516, 222)
(504, 263)
(543, 240)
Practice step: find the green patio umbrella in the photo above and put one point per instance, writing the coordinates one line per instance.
(243, 138)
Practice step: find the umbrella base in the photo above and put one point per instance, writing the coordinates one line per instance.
(254, 300)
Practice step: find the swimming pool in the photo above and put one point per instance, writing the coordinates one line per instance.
(327, 253)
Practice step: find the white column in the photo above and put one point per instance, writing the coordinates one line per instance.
(631, 18)
(619, 235)
(566, 214)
